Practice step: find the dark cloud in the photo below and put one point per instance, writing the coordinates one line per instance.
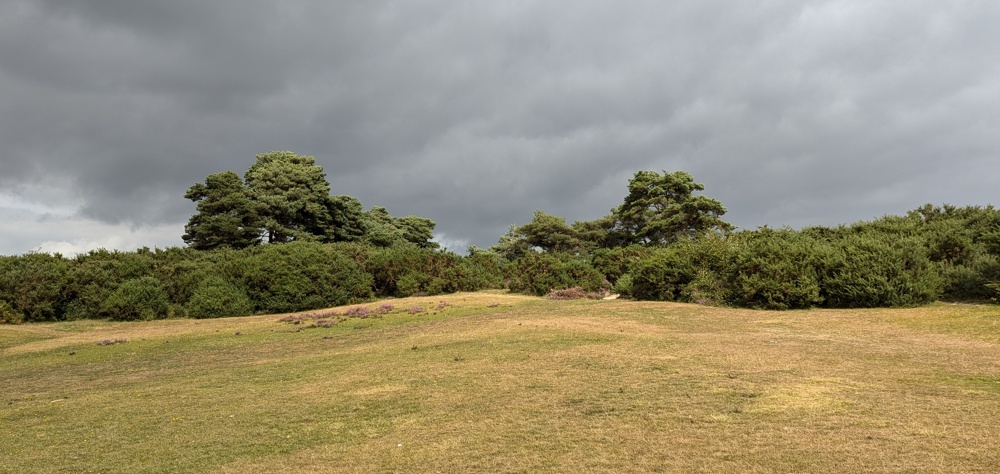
(476, 114)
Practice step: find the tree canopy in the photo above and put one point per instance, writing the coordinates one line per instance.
(662, 208)
(227, 216)
(285, 197)
(659, 209)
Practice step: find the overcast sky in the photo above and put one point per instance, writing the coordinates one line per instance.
(476, 113)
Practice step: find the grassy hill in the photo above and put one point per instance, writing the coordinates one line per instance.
(492, 382)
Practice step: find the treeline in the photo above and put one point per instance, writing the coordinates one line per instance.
(932, 253)
(276, 241)
(184, 282)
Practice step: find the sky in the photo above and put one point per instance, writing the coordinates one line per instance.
(477, 113)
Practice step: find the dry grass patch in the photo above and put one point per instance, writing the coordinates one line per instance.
(499, 383)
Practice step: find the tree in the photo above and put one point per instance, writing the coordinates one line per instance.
(346, 213)
(380, 227)
(383, 230)
(418, 231)
(511, 245)
(661, 209)
(226, 217)
(283, 197)
(551, 234)
(293, 197)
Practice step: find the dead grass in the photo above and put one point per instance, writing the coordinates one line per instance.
(490, 382)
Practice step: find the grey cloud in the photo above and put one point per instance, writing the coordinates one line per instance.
(477, 113)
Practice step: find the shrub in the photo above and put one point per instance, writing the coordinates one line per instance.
(358, 312)
(538, 273)
(407, 270)
(624, 285)
(216, 297)
(297, 276)
(879, 270)
(182, 270)
(969, 281)
(688, 270)
(93, 278)
(662, 276)
(480, 271)
(33, 285)
(773, 269)
(137, 300)
(9, 315)
(615, 262)
(411, 284)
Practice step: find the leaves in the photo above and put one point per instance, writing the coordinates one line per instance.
(661, 208)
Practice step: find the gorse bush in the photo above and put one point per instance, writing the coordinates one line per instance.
(296, 276)
(971, 280)
(139, 299)
(215, 298)
(877, 270)
(407, 270)
(787, 269)
(93, 277)
(613, 263)
(663, 276)
(224, 282)
(32, 286)
(482, 270)
(9, 315)
(539, 273)
(773, 269)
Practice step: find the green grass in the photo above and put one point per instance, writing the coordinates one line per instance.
(504, 383)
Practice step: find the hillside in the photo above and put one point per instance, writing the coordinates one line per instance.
(494, 382)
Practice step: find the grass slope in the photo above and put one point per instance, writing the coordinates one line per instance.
(493, 382)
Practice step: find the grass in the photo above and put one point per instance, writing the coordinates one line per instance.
(494, 382)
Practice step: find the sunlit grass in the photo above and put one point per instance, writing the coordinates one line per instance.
(502, 383)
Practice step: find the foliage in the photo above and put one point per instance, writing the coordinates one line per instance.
(380, 228)
(93, 278)
(215, 298)
(662, 208)
(292, 196)
(539, 273)
(624, 287)
(773, 269)
(9, 315)
(346, 224)
(32, 286)
(662, 276)
(285, 197)
(613, 263)
(512, 245)
(879, 270)
(138, 299)
(227, 216)
(407, 270)
(297, 276)
(551, 234)
(418, 231)
(481, 270)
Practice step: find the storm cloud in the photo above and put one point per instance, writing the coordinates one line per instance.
(475, 114)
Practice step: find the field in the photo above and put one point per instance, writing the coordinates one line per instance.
(493, 382)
